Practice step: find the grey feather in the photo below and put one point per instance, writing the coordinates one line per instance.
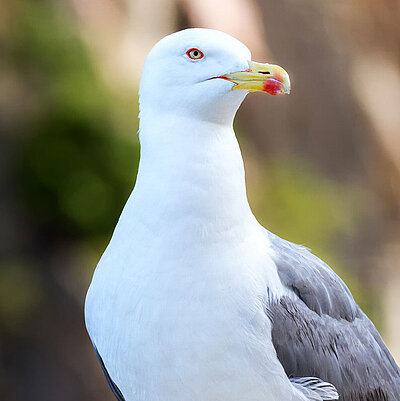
(315, 389)
(320, 330)
(113, 386)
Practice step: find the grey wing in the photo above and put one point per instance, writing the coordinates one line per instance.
(320, 330)
(113, 386)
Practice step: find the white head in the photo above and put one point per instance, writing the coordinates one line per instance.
(193, 72)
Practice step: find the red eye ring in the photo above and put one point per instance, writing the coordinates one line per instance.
(194, 54)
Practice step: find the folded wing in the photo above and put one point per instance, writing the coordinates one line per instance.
(320, 331)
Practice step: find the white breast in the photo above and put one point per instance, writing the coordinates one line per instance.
(178, 320)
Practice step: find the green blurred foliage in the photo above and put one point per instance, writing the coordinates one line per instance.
(73, 161)
(306, 205)
(20, 295)
(77, 165)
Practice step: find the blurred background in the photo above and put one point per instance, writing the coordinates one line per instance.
(323, 164)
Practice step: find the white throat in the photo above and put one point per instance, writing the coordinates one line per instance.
(190, 169)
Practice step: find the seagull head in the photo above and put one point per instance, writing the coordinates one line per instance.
(205, 74)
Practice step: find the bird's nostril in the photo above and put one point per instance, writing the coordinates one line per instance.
(264, 72)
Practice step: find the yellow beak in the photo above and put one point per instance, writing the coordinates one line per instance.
(261, 78)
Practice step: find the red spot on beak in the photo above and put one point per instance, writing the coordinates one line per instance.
(273, 87)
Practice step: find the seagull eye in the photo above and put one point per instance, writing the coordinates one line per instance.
(195, 54)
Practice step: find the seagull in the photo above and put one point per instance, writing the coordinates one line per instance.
(193, 300)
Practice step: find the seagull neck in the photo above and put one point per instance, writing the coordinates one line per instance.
(191, 167)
